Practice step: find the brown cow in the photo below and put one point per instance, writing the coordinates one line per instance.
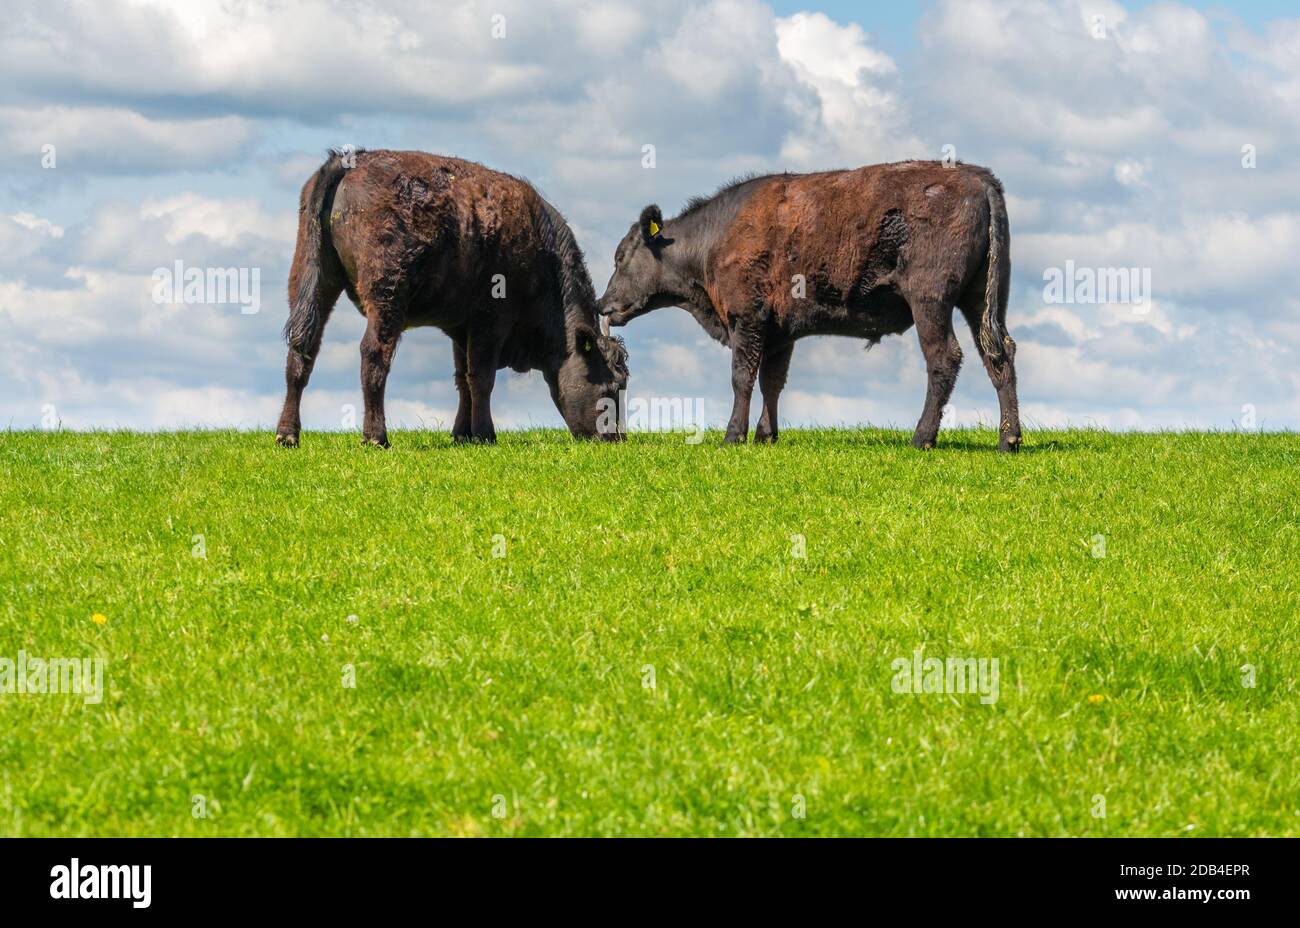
(866, 253)
(418, 239)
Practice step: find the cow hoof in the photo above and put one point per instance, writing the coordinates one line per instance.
(1009, 444)
(924, 444)
(764, 438)
(376, 442)
(287, 440)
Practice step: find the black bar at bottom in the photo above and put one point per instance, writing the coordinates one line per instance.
(303, 877)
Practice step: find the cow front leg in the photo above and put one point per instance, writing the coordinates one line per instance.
(771, 380)
(942, 362)
(378, 346)
(481, 375)
(461, 430)
(746, 353)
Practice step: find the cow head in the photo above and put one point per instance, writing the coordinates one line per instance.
(645, 277)
(587, 383)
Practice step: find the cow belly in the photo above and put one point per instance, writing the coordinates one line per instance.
(872, 315)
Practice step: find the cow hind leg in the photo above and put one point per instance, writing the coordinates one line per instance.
(1001, 371)
(298, 366)
(942, 362)
(378, 346)
(771, 379)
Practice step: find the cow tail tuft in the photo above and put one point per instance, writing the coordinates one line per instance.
(993, 335)
(305, 309)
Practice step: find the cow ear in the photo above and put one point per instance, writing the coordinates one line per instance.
(652, 225)
(584, 339)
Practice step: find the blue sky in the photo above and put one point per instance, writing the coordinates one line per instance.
(183, 132)
(893, 26)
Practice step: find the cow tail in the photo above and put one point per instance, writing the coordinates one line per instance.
(994, 341)
(302, 329)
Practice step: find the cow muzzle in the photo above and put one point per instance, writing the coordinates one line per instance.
(618, 315)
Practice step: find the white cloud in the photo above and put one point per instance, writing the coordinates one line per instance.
(858, 119)
(117, 140)
(226, 222)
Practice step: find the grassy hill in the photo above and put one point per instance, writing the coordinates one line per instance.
(549, 638)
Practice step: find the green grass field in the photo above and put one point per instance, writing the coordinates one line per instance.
(511, 695)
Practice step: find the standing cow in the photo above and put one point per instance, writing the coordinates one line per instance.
(867, 253)
(417, 239)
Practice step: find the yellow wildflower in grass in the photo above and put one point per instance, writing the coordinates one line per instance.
(99, 618)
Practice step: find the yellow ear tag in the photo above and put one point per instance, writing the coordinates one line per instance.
(586, 345)
(654, 228)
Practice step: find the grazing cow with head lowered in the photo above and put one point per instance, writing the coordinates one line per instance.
(418, 239)
(866, 253)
